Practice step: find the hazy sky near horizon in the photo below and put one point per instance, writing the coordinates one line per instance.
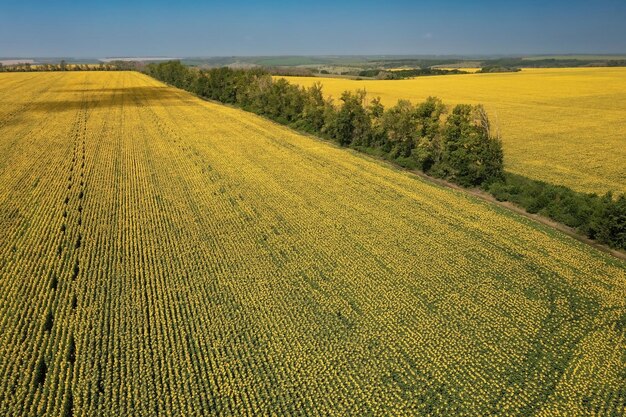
(35, 28)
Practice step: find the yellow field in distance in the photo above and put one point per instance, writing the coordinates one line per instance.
(563, 126)
(163, 255)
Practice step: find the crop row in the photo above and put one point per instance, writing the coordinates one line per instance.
(168, 256)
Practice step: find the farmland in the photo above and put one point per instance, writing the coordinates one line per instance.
(563, 126)
(163, 255)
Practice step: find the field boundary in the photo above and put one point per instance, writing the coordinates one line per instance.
(483, 195)
(475, 192)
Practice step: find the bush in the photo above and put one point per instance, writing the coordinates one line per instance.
(599, 218)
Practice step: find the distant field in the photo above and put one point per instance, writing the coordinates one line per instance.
(466, 69)
(448, 68)
(161, 255)
(565, 126)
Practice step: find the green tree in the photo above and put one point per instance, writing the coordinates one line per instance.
(471, 156)
(313, 109)
(376, 112)
(400, 126)
(352, 124)
(610, 221)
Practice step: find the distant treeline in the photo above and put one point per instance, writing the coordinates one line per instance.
(291, 71)
(408, 73)
(496, 68)
(63, 66)
(508, 62)
(414, 62)
(553, 63)
(377, 73)
(456, 145)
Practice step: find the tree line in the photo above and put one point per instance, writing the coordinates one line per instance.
(563, 62)
(408, 73)
(64, 66)
(456, 144)
(458, 147)
(496, 68)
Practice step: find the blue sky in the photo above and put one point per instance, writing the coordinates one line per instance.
(207, 28)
